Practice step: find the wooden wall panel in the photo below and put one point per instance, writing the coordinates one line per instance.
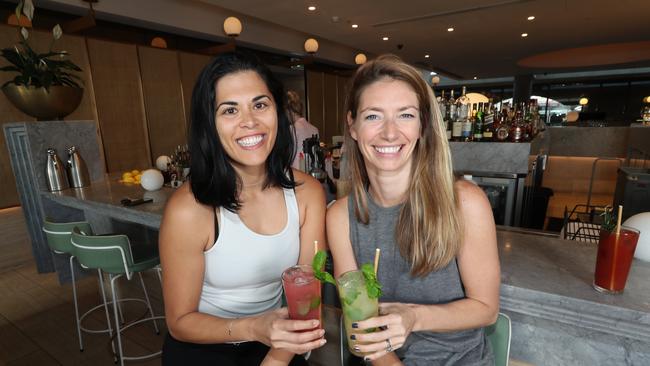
(191, 65)
(163, 99)
(315, 104)
(120, 107)
(8, 113)
(342, 93)
(330, 103)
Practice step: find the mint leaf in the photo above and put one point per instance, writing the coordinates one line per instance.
(318, 264)
(372, 285)
(315, 302)
(319, 261)
(350, 296)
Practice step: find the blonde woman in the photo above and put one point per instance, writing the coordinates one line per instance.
(439, 264)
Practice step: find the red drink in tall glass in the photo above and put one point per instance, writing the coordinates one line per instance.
(302, 291)
(615, 253)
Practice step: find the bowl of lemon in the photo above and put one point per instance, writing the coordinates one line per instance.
(131, 177)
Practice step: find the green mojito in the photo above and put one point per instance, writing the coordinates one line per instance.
(356, 303)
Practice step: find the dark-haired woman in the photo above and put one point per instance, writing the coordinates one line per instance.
(244, 217)
(439, 264)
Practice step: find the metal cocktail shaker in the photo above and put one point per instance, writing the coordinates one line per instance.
(77, 170)
(55, 172)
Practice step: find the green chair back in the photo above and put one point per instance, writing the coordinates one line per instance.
(58, 234)
(499, 336)
(110, 253)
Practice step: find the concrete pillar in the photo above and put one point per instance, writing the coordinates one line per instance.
(522, 88)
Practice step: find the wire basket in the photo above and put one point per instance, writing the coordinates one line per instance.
(582, 223)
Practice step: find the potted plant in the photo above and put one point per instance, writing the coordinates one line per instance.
(46, 86)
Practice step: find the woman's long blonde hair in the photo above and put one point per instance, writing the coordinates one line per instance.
(429, 228)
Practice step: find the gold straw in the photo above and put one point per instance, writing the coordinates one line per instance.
(377, 251)
(618, 220)
(315, 247)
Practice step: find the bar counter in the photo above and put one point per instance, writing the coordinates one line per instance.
(558, 318)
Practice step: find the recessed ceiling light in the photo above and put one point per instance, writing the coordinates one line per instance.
(450, 29)
(355, 25)
(475, 78)
(532, 17)
(524, 35)
(311, 8)
(433, 73)
(385, 38)
(426, 56)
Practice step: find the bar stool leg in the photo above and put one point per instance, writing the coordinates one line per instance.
(76, 305)
(146, 296)
(108, 317)
(117, 320)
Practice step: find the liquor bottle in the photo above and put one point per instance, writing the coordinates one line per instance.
(489, 122)
(462, 108)
(468, 123)
(456, 123)
(477, 134)
(518, 129)
(503, 130)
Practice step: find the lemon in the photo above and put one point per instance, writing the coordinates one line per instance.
(127, 175)
(128, 179)
(135, 172)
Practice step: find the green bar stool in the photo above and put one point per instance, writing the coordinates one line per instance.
(113, 254)
(499, 335)
(58, 239)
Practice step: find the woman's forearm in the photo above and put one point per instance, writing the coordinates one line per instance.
(202, 328)
(458, 315)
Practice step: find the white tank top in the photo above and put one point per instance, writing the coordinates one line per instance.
(243, 269)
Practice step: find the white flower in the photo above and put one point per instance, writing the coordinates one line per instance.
(28, 9)
(24, 33)
(57, 32)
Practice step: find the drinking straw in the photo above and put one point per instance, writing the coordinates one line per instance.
(315, 247)
(377, 251)
(618, 220)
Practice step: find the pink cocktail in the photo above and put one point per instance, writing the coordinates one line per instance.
(302, 291)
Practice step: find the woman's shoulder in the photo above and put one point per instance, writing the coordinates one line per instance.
(307, 187)
(338, 209)
(183, 207)
(471, 197)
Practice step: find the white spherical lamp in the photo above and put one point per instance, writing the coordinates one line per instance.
(583, 101)
(232, 27)
(360, 59)
(162, 162)
(311, 46)
(641, 222)
(152, 180)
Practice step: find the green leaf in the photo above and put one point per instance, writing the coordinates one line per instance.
(372, 285)
(318, 264)
(350, 296)
(319, 260)
(315, 302)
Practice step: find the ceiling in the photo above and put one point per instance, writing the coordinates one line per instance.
(486, 41)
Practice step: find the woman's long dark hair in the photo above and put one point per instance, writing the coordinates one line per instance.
(213, 179)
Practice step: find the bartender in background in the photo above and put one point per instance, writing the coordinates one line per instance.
(302, 128)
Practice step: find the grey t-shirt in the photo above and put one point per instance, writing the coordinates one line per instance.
(466, 347)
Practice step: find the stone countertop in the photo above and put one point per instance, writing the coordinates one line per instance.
(552, 278)
(103, 197)
(541, 275)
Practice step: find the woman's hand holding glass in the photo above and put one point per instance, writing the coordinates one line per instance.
(393, 326)
(276, 330)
